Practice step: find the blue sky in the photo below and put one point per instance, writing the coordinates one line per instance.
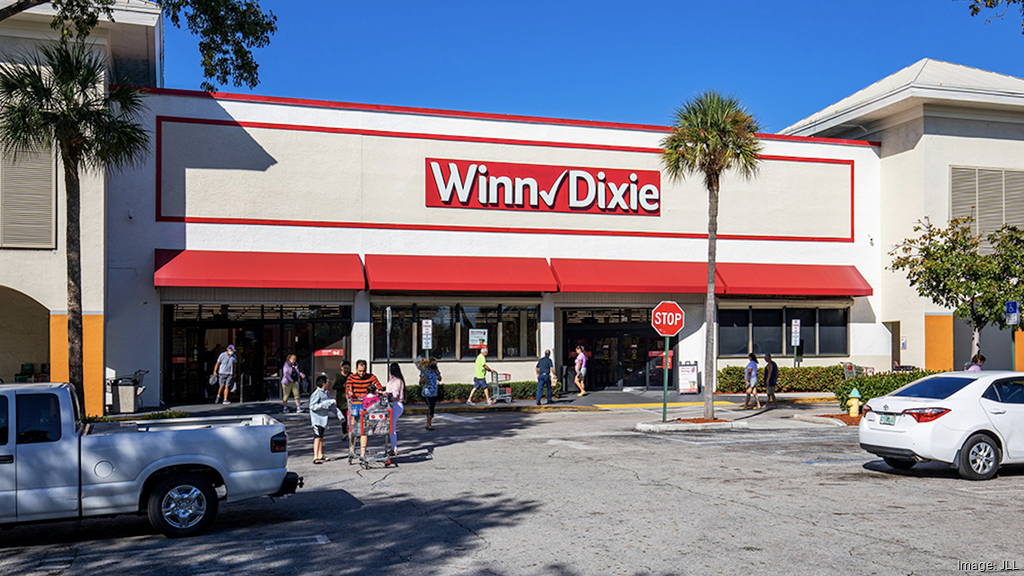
(604, 60)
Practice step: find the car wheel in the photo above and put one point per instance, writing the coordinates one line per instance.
(900, 464)
(979, 458)
(182, 505)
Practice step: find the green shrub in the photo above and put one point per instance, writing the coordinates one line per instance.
(802, 379)
(525, 390)
(165, 415)
(875, 386)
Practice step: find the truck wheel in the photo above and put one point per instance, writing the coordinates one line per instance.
(182, 505)
(979, 458)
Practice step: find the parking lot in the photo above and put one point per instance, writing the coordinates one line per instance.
(576, 493)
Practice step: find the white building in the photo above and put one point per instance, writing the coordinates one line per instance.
(282, 225)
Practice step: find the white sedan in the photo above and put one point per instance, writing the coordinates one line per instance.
(973, 421)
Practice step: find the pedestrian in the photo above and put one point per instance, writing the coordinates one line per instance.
(750, 381)
(339, 393)
(290, 378)
(396, 395)
(429, 387)
(771, 379)
(224, 370)
(480, 377)
(545, 376)
(977, 361)
(321, 406)
(357, 387)
(581, 369)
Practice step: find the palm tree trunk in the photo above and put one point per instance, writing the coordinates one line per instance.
(709, 302)
(76, 370)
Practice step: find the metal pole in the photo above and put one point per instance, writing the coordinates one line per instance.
(664, 372)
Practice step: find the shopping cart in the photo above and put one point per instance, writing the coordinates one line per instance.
(498, 391)
(377, 425)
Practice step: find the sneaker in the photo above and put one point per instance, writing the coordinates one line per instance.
(538, 403)
(470, 402)
(490, 402)
(284, 410)
(298, 410)
(227, 402)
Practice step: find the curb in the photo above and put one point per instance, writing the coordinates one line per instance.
(835, 423)
(505, 408)
(658, 427)
(809, 400)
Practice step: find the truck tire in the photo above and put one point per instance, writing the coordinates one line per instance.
(182, 505)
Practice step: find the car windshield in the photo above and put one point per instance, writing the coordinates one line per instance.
(939, 387)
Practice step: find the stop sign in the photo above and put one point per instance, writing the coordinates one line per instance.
(667, 319)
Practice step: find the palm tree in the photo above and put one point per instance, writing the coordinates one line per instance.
(712, 133)
(57, 97)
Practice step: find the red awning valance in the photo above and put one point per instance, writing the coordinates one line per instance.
(792, 280)
(458, 274)
(632, 276)
(214, 269)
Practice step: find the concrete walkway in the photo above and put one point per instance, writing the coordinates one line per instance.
(728, 406)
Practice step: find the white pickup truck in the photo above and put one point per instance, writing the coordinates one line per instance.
(53, 467)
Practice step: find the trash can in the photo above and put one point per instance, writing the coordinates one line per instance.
(124, 394)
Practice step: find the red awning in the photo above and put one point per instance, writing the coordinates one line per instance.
(458, 274)
(792, 280)
(633, 276)
(201, 268)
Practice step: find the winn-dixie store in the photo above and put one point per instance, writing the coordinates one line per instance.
(289, 227)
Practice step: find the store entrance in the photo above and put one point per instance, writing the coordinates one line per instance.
(618, 360)
(263, 335)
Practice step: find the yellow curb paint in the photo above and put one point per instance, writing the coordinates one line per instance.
(658, 405)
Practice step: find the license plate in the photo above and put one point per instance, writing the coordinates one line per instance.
(887, 419)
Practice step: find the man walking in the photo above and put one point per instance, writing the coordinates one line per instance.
(545, 376)
(480, 377)
(224, 369)
(358, 386)
(771, 378)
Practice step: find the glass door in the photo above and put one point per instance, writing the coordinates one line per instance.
(634, 361)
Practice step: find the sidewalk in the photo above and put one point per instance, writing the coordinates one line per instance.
(594, 401)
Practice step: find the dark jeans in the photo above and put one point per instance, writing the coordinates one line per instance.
(544, 380)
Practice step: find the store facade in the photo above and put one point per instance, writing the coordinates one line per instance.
(284, 226)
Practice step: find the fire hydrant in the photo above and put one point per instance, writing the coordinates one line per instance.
(854, 403)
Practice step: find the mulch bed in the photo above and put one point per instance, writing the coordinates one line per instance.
(849, 420)
(698, 420)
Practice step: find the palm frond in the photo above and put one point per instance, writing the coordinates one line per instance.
(710, 134)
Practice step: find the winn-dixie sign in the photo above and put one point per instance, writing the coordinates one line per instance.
(531, 187)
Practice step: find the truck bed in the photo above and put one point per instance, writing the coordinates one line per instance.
(136, 426)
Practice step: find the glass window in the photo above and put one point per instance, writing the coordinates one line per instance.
(1010, 391)
(38, 418)
(766, 331)
(832, 331)
(519, 332)
(938, 387)
(733, 333)
(401, 332)
(4, 418)
(444, 331)
(806, 317)
(478, 318)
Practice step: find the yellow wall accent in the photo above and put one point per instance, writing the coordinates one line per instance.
(938, 342)
(92, 352)
(1018, 350)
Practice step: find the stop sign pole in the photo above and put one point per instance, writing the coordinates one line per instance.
(668, 319)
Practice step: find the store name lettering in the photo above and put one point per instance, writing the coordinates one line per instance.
(537, 188)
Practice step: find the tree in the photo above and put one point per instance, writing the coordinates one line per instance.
(949, 267)
(978, 5)
(712, 133)
(228, 30)
(57, 99)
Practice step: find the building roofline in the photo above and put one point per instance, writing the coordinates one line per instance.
(287, 101)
